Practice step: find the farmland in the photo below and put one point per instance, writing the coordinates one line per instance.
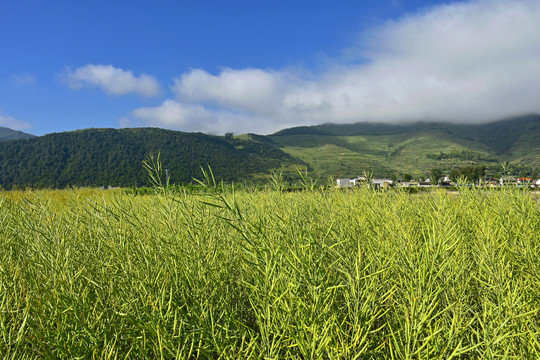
(90, 273)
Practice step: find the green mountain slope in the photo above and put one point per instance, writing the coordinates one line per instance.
(389, 149)
(96, 157)
(9, 134)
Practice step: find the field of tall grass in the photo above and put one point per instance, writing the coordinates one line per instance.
(90, 274)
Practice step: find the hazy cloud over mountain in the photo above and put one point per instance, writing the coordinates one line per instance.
(12, 123)
(466, 62)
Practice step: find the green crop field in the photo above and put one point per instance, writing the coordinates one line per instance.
(96, 274)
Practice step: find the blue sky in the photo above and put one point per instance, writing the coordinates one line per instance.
(260, 66)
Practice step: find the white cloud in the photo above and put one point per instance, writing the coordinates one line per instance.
(252, 90)
(24, 79)
(112, 80)
(12, 123)
(195, 117)
(464, 62)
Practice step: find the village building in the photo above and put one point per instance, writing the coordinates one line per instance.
(507, 180)
(345, 182)
(381, 183)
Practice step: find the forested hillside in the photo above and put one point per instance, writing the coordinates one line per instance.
(110, 157)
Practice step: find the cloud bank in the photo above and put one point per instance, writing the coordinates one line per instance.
(464, 62)
(12, 123)
(112, 80)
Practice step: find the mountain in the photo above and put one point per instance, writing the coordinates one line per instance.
(415, 148)
(103, 157)
(9, 134)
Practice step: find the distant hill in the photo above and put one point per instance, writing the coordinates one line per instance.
(9, 134)
(103, 157)
(415, 148)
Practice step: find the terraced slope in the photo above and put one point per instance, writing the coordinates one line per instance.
(386, 149)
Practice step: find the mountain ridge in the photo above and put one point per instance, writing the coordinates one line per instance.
(7, 134)
(349, 149)
(104, 156)
(113, 157)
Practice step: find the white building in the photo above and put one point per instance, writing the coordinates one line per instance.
(345, 182)
(381, 183)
